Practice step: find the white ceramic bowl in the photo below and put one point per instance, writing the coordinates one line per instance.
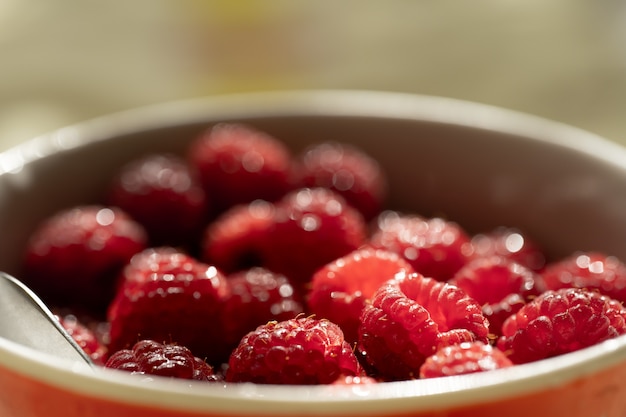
(478, 165)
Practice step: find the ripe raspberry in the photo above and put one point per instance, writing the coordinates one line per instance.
(410, 317)
(84, 337)
(148, 357)
(347, 170)
(312, 227)
(233, 241)
(561, 321)
(465, 358)
(256, 297)
(510, 243)
(355, 380)
(340, 289)
(74, 256)
(300, 351)
(161, 192)
(436, 248)
(238, 164)
(145, 265)
(179, 301)
(592, 270)
(500, 285)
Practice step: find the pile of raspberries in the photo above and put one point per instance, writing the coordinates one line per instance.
(242, 261)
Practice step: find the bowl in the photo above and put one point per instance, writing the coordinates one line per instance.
(478, 165)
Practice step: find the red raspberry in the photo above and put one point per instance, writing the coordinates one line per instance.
(561, 321)
(233, 241)
(256, 297)
(161, 192)
(340, 289)
(500, 285)
(147, 264)
(464, 358)
(86, 339)
(148, 357)
(179, 301)
(355, 380)
(510, 243)
(410, 317)
(592, 270)
(238, 164)
(312, 227)
(436, 248)
(74, 257)
(347, 170)
(300, 351)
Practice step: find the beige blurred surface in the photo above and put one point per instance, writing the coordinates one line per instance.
(63, 61)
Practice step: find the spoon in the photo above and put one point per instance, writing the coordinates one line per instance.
(25, 319)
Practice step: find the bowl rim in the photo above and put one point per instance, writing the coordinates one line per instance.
(434, 394)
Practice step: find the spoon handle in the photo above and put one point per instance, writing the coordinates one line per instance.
(26, 320)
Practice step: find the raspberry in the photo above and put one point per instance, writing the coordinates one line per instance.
(355, 380)
(340, 289)
(145, 265)
(238, 164)
(300, 351)
(148, 357)
(500, 285)
(410, 317)
(347, 170)
(161, 192)
(561, 321)
(436, 248)
(311, 227)
(509, 243)
(74, 257)
(233, 241)
(179, 300)
(464, 358)
(592, 270)
(256, 297)
(84, 337)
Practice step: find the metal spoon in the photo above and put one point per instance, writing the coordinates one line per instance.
(26, 320)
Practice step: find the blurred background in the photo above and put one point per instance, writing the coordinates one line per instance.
(63, 61)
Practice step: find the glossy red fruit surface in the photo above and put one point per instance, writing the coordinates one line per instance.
(412, 316)
(147, 357)
(347, 170)
(238, 164)
(174, 302)
(74, 257)
(340, 289)
(301, 351)
(162, 193)
(436, 248)
(561, 321)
